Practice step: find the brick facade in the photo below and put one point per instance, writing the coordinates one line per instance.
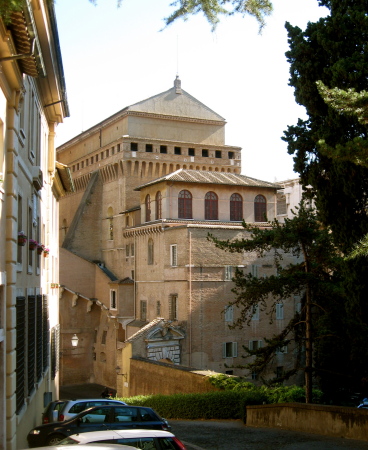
(166, 277)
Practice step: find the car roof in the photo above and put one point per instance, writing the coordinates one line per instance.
(93, 400)
(118, 434)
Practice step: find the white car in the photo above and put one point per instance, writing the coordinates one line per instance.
(90, 447)
(137, 438)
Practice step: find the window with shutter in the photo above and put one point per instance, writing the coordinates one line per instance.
(229, 313)
(279, 311)
(21, 352)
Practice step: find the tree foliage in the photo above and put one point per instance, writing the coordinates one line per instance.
(334, 51)
(313, 274)
(214, 9)
(330, 149)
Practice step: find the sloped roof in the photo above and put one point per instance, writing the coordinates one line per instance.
(143, 331)
(175, 102)
(202, 176)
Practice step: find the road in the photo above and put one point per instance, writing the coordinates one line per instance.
(234, 435)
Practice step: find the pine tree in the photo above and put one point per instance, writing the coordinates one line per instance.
(329, 149)
(314, 274)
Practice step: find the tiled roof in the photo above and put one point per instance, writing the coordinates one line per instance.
(201, 176)
(145, 329)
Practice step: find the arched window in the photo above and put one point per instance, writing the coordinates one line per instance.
(148, 208)
(158, 205)
(150, 252)
(260, 208)
(185, 205)
(236, 207)
(211, 206)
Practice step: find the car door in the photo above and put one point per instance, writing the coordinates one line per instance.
(124, 417)
(149, 419)
(92, 420)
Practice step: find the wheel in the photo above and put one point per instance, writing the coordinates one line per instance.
(54, 439)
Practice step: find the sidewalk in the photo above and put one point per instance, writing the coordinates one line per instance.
(88, 390)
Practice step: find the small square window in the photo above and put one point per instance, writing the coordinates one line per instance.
(229, 349)
(218, 154)
(191, 152)
(177, 150)
(134, 147)
(149, 148)
(163, 149)
(205, 153)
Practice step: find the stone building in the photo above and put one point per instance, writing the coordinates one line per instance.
(32, 103)
(139, 276)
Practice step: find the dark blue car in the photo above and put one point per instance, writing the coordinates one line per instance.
(109, 417)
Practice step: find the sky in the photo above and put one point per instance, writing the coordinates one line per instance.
(115, 57)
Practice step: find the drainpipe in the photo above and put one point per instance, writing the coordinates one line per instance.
(190, 299)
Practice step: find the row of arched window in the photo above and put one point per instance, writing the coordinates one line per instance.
(211, 212)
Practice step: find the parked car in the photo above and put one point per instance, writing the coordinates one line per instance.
(108, 417)
(51, 412)
(364, 404)
(146, 439)
(71, 408)
(89, 447)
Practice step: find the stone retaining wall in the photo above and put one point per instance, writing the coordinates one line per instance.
(351, 423)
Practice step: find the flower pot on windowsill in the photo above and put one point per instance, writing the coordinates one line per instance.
(46, 252)
(22, 239)
(40, 249)
(32, 244)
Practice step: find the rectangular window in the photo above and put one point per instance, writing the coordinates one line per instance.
(149, 148)
(132, 274)
(228, 273)
(205, 153)
(229, 349)
(158, 308)
(191, 152)
(132, 249)
(279, 371)
(173, 255)
(113, 296)
(254, 270)
(134, 147)
(255, 312)
(173, 306)
(177, 150)
(163, 149)
(45, 332)
(20, 228)
(255, 345)
(231, 155)
(118, 148)
(127, 250)
(281, 350)
(30, 236)
(279, 311)
(218, 154)
(104, 336)
(143, 310)
(229, 313)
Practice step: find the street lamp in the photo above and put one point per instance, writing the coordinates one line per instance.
(75, 340)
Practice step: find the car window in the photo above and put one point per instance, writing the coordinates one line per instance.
(142, 443)
(125, 414)
(147, 415)
(99, 415)
(78, 407)
(167, 444)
